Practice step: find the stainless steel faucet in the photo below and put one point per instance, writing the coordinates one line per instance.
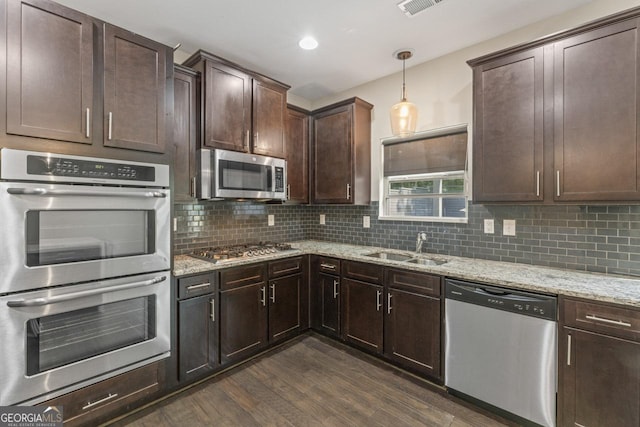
(422, 237)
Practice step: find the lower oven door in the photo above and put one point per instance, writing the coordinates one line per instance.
(58, 340)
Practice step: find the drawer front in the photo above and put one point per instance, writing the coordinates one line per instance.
(108, 396)
(242, 276)
(362, 271)
(285, 267)
(427, 284)
(197, 285)
(607, 319)
(328, 265)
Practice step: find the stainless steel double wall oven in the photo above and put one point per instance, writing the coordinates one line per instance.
(84, 282)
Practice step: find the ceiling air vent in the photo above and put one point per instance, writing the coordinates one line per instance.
(412, 7)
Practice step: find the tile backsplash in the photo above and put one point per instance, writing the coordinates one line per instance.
(602, 239)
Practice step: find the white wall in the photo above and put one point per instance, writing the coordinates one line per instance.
(441, 88)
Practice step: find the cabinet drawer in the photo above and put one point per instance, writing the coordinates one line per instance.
(108, 396)
(328, 265)
(608, 319)
(369, 273)
(197, 285)
(421, 282)
(242, 276)
(285, 267)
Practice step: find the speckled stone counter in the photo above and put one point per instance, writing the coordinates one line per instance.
(598, 287)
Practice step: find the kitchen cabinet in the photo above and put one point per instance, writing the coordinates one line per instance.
(288, 298)
(241, 110)
(341, 153)
(185, 132)
(325, 316)
(412, 324)
(297, 149)
(599, 364)
(363, 305)
(550, 116)
(100, 402)
(198, 334)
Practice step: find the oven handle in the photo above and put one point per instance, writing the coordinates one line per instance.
(37, 302)
(45, 192)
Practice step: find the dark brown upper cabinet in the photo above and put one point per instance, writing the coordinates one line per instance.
(297, 149)
(185, 132)
(241, 110)
(134, 91)
(341, 153)
(49, 71)
(556, 120)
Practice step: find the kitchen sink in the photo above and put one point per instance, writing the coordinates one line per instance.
(426, 261)
(391, 256)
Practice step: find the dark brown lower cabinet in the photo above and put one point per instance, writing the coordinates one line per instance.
(599, 365)
(328, 300)
(284, 306)
(362, 322)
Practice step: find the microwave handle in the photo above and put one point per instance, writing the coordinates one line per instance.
(46, 192)
(37, 302)
(270, 180)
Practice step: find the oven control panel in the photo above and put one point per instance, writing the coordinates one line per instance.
(67, 167)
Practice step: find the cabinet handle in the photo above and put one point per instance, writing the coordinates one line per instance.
(194, 187)
(88, 119)
(246, 141)
(288, 191)
(348, 191)
(194, 287)
(537, 183)
(97, 402)
(329, 266)
(378, 300)
(212, 302)
(263, 296)
(256, 142)
(110, 126)
(273, 293)
(389, 303)
(335, 288)
(609, 321)
(558, 183)
(568, 350)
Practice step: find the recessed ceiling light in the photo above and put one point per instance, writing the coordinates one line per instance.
(308, 43)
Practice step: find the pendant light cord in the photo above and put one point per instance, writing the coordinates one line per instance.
(404, 93)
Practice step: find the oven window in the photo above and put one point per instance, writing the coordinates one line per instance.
(244, 176)
(64, 236)
(61, 339)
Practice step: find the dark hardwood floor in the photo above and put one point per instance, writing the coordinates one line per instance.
(311, 381)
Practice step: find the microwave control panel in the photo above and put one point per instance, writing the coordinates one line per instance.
(66, 167)
(279, 179)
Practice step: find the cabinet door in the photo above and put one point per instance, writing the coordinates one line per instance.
(508, 128)
(184, 134)
(284, 306)
(134, 91)
(297, 149)
(599, 380)
(362, 320)
(243, 321)
(333, 156)
(412, 331)
(596, 85)
(328, 301)
(197, 336)
(49, 71)
(269, 106)
(227, 107)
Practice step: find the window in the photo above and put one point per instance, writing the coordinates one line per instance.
(425, 177)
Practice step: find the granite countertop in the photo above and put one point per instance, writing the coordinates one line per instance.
(600, 287)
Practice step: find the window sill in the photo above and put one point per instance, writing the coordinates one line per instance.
(424, 219)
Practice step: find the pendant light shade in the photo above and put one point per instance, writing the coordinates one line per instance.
(404, 114)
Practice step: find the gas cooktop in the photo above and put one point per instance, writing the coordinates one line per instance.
(248, 250)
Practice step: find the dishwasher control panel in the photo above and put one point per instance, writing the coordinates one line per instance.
(526, 303)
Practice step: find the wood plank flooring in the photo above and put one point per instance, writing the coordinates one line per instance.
(311, 381)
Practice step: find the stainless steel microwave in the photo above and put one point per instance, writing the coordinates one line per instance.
(227, 174)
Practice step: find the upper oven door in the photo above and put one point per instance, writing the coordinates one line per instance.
(61, 234)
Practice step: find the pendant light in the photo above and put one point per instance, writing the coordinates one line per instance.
(404, 114)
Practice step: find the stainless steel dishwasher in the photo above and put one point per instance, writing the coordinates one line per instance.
(500, 349)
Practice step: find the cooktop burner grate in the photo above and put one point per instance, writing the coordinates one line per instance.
(248, 250)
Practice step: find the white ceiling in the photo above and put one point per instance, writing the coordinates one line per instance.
(357, 37)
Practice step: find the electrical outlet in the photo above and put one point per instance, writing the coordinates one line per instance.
(366, 221)
(271, 220)
(322, 219)
(509, 227)
(175, 224)
(488, 226)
